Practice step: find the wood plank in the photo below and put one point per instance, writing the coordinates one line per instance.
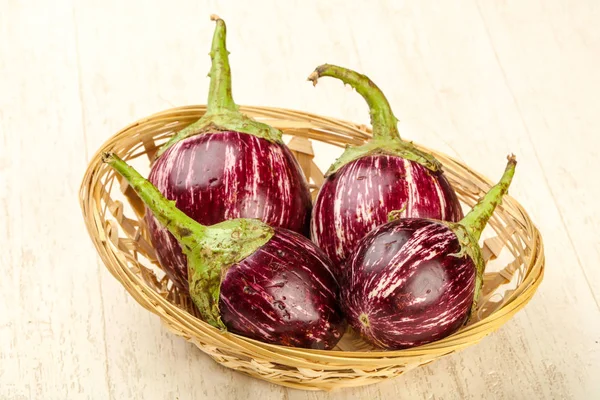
(51, 316)
(558, 109)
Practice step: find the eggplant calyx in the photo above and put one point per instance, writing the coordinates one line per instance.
(210, 250)
(391, 147)
(223, 122)
(469, 229)
(222, 114)
(227, 243)
(469, 248)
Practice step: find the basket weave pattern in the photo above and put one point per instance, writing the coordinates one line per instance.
(114, 217)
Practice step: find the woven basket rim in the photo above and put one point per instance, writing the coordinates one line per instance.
(162, 306)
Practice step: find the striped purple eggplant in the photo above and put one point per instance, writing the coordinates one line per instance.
(263, 282)
(225, 176)
(226, 166)
(367, 182)
(412, 281)
(284, 293)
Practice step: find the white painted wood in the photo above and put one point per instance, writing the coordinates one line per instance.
(474, 79)
(52, 342)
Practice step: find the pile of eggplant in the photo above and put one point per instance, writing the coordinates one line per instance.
(385, 250)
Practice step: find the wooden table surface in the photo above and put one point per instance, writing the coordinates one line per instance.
(474, 79)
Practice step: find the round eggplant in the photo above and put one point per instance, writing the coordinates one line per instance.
(263, 282)
(283, 293)
(412, 281)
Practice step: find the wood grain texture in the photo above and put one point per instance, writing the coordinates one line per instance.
(474, 79)
(51, 308)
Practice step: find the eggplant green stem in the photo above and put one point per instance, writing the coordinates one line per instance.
(222, 114)
(386, 139)
(476, 220)
(220, 97)
(383, 121)
(186, 230)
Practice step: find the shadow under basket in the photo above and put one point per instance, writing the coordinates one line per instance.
(512, 247)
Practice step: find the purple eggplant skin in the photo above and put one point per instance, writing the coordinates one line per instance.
(284, 293)
(359, 197)
(227, 175)
(405, 286)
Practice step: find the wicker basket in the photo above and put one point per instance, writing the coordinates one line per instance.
(114, 217)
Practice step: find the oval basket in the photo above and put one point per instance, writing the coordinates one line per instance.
(113, 213)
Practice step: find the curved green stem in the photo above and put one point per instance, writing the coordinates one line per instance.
(476, 220)
(186, 230)
(220, 97)
(209, 250)
(383, 121)
(386, 138)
